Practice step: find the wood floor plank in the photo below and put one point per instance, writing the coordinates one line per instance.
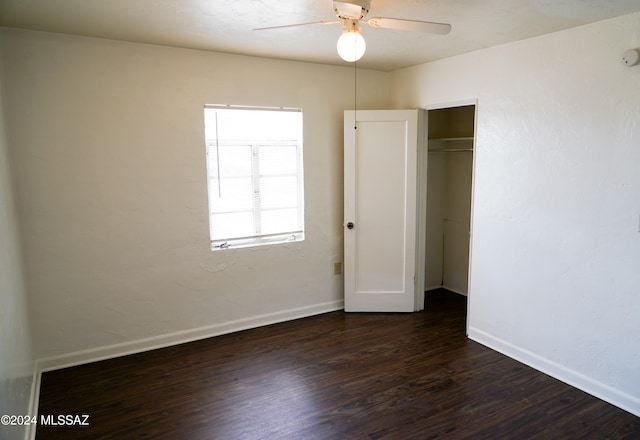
(332, 376)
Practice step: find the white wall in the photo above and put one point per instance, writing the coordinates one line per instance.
(16, 358)
(555, 275)
(456, 221)
(436, 198)
(108, 142)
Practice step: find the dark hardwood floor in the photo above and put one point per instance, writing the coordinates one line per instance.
(332, 376)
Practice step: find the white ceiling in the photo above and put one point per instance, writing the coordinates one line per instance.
(227, 25)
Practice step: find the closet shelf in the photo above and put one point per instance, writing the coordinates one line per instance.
(452, 139)
(450, 150)
(450, 144)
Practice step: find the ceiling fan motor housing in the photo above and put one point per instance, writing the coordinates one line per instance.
(352, 9)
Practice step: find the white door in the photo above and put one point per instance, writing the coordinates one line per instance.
(380, 172)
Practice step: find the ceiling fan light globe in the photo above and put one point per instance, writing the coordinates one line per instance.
(351, 46)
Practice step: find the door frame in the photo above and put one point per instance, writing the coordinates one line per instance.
(421, 193)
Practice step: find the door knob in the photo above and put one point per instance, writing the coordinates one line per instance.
(350, 225)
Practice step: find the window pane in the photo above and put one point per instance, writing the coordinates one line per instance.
(238, 124)
(235, 160)
(278, 159)
(278, 192)
(233, 194)
(237, 224)
(279, 220)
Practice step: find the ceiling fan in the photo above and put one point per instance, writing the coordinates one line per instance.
(351, 13)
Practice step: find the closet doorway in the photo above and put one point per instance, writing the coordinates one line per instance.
(449, 183)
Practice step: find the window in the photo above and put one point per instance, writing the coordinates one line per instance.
(254, 172)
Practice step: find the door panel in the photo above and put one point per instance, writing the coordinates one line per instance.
(380, 201)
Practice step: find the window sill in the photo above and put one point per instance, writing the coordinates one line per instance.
(256, 242)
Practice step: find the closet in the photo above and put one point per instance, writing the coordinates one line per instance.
(449, 184)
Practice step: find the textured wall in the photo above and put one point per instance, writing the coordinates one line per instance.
(16, 359)
(555, 277)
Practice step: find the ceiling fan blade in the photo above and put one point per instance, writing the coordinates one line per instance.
(297, 24)
(410, 25)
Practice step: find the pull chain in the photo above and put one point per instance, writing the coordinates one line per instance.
(355, 95)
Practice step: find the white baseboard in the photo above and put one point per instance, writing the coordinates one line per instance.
(30, 432)
(459, 292)
(602, 391)
(180, 337)
(166, 340)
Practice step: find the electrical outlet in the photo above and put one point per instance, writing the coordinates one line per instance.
(337, 268)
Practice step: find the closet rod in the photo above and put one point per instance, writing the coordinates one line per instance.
(451, 150)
